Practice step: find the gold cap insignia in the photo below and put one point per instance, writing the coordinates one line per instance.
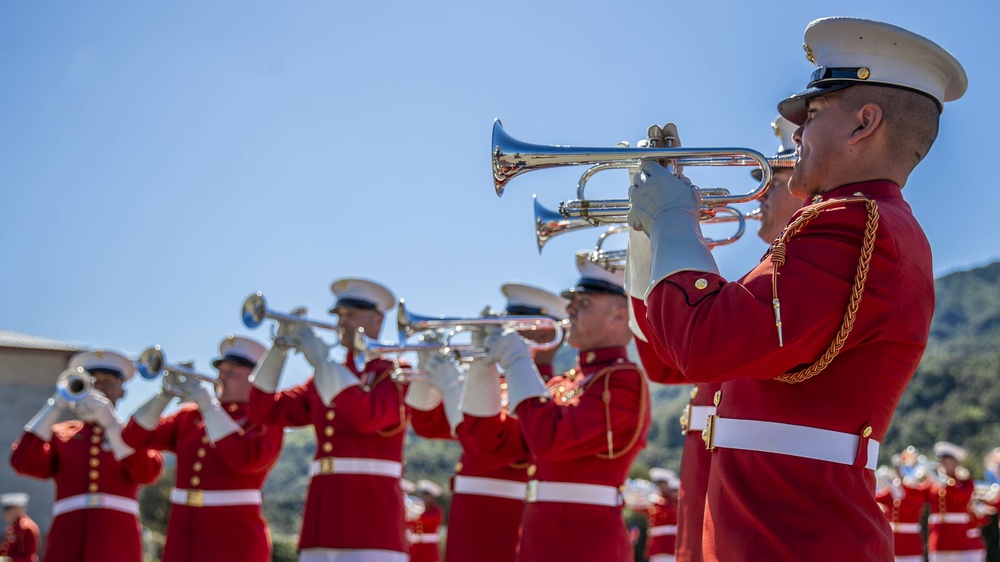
(864, 73)
(809, 53)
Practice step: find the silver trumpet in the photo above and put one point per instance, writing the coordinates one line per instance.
(152, 363)
(549, 223)
(255, 311)
(73, 385)
(512, 158)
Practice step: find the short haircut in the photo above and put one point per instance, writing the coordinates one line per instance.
(911, 117)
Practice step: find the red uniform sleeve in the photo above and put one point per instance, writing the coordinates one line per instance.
(697, 327)
(26, 541)
(30, 456)
(556, 433)
(654, 359)
(381, 409)
(288, 408)
(253, 450)
(144, 466)
(163, 438)
(431, 424)
(496, 437)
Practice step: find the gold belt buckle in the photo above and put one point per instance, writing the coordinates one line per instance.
(195, 498)
(686, 419)
(326, 465)
(531, 494)
(94, 500)
(708, 435)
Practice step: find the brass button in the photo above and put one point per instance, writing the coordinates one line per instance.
(327, 447)
(532, 469)
(196, 466)
(92, 487)
(951, 481)
(694, 393)
(458, 467)
(718, 397)
(95, 439)
(204, 440)
(867, 432)
(942, 492)
(330, 415)
(590, 357)
(201, 453)
(328, 431)
(95, 450)
(195, 480)
(701, 284)
(98, 430)
(543, 399)
(231, 408)
(94, 463)
(93, 474)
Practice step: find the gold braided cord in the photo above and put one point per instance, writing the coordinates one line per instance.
(404, 419)
(857, 290)
(643, 406)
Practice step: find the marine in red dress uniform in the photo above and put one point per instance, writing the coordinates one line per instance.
(21, 536)
(96, 475)
(953, 531)
(422, 532)
(798, 351)
(582, 429)
(488, 487)
(360, 420)
(903, 500)
(222, 461)
(661, 533)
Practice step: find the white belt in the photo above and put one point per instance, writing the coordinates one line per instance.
(565, 492)
(215, 498)
(787, 439)
(336, 465)
(697, 416)
(948, 518)
(416, 538)
(660, 530)
(95, 501)
(905, 528)
(493, 487)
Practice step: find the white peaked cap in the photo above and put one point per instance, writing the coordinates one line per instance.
(596, 279)
(407, 486)
(239, 349)
(849, 51)
(949, 449)
(665, 475)
(525, 300)
(16, 499)
(104, 359)
(362, 293)
(429, 487)
(783, 129)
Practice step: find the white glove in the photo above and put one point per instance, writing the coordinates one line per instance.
(96, 408)
(267, 373)
(668, 209)
(422, 394)
(449, 380)
(181, 386)
(218, 424)
(637, 263)
(305, 340)
(482, 389)
(331, 379)
(513, 354)
(148, 415)
(41, 424)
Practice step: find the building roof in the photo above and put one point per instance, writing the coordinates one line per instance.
(21, 340)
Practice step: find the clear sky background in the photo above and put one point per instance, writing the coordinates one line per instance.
(161, 161)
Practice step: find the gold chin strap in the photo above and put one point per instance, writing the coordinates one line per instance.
(777, 256)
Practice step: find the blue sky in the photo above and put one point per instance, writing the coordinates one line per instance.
(161, 161)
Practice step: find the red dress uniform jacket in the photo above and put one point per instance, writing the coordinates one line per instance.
(589, 432)
(903, 508)
(76, 459)
(422, 536)
(951, 527)
(715, 330)
(241, 461)
(363, 422)
(661, 533)
(21, 540)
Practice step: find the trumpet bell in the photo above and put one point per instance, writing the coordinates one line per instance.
(74, 385)
(151, 362)
(254, 310)
(549, 224)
